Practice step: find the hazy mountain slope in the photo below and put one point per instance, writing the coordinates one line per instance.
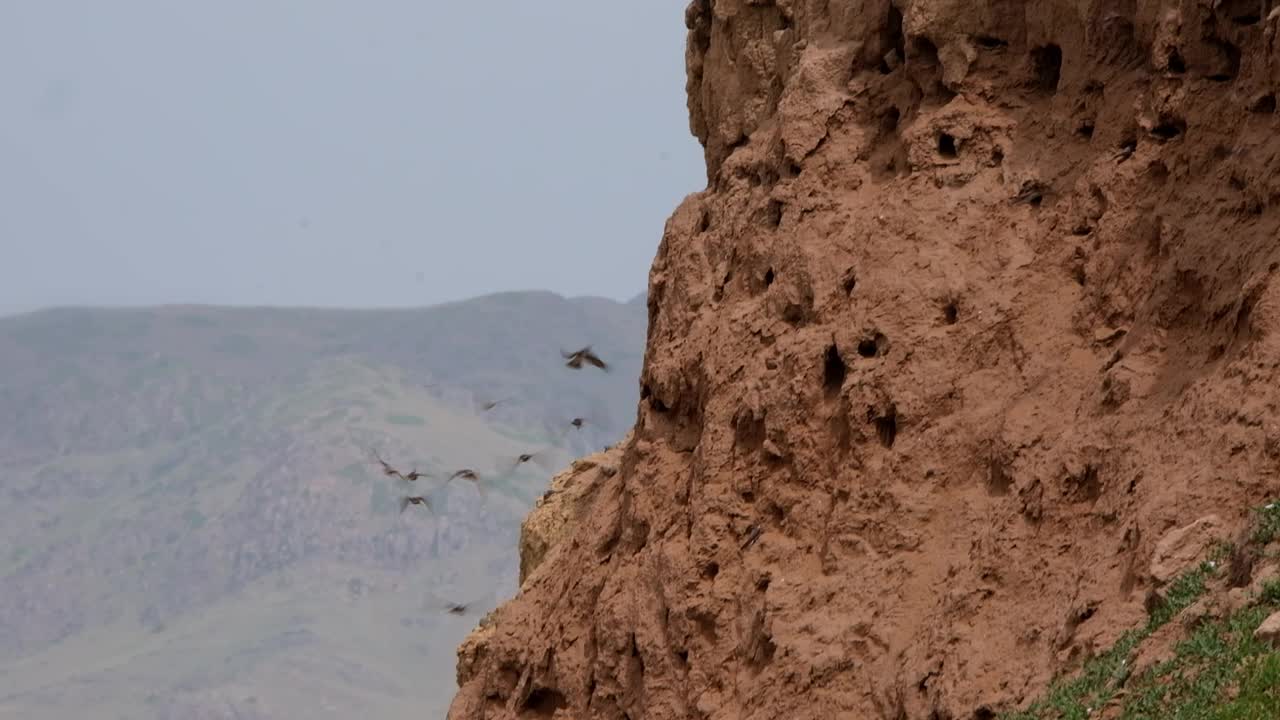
(191, 523)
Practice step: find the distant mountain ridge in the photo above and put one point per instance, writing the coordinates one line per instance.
(171, 475)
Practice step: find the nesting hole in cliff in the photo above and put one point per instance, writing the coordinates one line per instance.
(682, 656)
(1078, 274)
(873, 346)
(834, 371)
(889, 120)
(1265, 104)
(747, 496)
(1174, 63)
(850, 281)
(887, 426)
(711, 570)
(768, 277)
(924, 49)
(763, 583)
(545, 701)
(704, 222)
(1169, 128)
(951, 312)
(1085, 129)
(984, 713)
(991, 43)
(1046, 67)
(892, 39)
(1243, 12)
(947, 145)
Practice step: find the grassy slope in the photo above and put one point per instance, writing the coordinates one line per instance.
(1218, 670)
(191, 521)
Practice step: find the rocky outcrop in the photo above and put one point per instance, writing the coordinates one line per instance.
(976, 308)
(560, 507)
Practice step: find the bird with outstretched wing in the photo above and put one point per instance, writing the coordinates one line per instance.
(577, 357)
(408, 500)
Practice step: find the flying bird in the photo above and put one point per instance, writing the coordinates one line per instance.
(414, 500)
(456, 608)
(538, 457)
(576, 358)
(468, 474)
(486, 407)
(386, 468)
(577, 422)
(392, 472)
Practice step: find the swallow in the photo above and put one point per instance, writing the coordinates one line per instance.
(414, 500)
(469, 474)
(386, 468)
(523, 458)
(456, 608)
(577, 422)
(486, 407)
(576, 358)
(414, 475)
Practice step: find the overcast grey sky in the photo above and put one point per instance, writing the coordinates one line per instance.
(335, 152)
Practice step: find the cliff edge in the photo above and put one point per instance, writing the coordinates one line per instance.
(973, 324)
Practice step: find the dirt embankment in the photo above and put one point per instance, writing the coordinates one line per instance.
(977, 308)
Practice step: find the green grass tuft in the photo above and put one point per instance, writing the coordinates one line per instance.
(1267, 526)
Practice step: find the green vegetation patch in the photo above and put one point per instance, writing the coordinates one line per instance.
(1218, 672)
(1267, 525)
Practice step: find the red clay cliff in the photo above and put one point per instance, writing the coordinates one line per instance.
(977, 308)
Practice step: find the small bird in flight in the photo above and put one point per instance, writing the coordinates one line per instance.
(456, 608)
(486, 407)
(577, 422)
(576, 358)
(392, 472)
(538, 457)
(468, 474)
(414, 500)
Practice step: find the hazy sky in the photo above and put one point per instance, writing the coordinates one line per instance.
(334, 152)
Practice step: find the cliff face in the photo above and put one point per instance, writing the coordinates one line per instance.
(976, 309)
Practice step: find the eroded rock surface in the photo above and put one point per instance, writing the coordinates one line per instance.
(978, 306)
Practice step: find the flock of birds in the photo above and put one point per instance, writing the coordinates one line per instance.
(575, 360)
